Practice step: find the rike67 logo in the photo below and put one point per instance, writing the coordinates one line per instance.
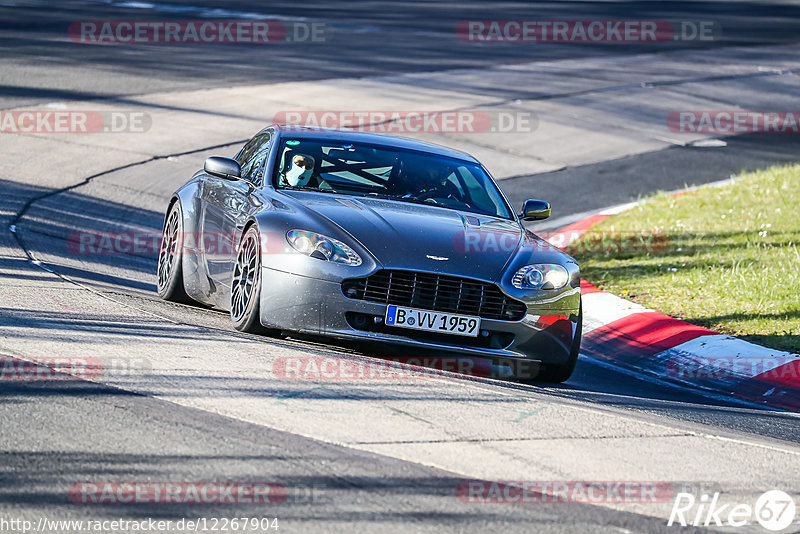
(773, 510)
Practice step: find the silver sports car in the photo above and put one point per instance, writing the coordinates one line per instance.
(376, 238)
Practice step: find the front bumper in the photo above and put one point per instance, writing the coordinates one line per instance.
(315, 306)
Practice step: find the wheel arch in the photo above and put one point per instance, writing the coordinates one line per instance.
(187, 197)
(251, 221)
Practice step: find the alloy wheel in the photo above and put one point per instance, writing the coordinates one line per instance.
(245, 276)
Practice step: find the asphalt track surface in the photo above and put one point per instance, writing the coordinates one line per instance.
(362, 39)
(182, 425)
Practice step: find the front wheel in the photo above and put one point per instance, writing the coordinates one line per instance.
(554, 373)
(246, 285)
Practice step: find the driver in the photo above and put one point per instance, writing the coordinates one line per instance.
(299, 174)
(430, 181)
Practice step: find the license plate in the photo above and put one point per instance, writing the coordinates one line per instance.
(430, 321)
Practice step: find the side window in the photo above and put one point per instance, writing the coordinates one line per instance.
(252, 158)
(247, 150)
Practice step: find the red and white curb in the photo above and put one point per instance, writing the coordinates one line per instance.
(631, 336)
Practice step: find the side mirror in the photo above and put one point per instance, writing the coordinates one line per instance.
(535, 210)
(223, 167)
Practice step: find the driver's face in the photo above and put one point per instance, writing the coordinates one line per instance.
(430, 176)
(302, 161)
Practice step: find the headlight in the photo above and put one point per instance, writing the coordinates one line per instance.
(541, 276)
(322, 247)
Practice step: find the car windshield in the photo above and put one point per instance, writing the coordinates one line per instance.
(383, 172)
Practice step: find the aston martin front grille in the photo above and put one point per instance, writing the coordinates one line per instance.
(435, 292)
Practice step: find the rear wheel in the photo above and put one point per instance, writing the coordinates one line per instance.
(170, 258)
(246, 285)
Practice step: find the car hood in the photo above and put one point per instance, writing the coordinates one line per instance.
(404, 235)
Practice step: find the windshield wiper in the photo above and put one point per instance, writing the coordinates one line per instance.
(410, 200)
(384, 196)
(317, 189)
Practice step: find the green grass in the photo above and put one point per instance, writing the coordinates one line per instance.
(725, 258)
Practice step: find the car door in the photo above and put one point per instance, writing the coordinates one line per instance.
(227, 204)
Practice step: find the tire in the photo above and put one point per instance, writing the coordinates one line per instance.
(554, 373)
(170, 258)
(245, 306)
